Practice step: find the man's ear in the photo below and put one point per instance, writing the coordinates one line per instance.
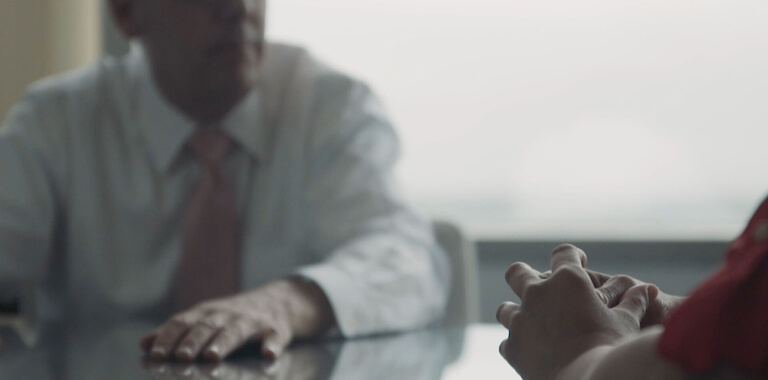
(125, 14)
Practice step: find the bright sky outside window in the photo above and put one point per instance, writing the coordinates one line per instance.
(590, 118)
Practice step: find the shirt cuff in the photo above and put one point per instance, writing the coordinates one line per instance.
(346, 301)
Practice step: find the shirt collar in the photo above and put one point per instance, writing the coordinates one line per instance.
(245, 124)
(167, 129)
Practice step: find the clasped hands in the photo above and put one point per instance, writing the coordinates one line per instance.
(569, 310)
(271, 316)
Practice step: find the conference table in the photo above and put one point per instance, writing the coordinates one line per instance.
(90, 352)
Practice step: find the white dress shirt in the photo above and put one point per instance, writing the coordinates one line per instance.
(94, 178)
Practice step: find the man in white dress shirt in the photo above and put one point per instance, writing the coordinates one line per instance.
(122, 183)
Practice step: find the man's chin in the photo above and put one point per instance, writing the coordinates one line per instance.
(243, 72)
(235, 78)
(228, 91)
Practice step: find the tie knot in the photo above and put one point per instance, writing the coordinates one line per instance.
(209, 146)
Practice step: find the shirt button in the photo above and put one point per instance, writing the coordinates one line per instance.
(761, 231)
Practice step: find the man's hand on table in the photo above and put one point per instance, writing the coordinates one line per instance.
(561, 315)
(272, 315)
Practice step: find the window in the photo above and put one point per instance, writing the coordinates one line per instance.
(585, 119)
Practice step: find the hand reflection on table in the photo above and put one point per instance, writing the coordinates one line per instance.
(300, 363)
(419, 356)
(92, 353)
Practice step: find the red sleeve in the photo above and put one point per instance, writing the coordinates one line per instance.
(725, 320)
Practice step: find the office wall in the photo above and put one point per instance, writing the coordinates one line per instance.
(44, 37)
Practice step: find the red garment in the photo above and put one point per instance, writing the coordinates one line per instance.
(725, 320)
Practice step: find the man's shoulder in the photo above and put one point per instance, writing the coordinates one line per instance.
(306, 72)
(333, 104)
(82, 87)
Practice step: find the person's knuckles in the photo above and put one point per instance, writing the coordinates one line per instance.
(623, 283)
(562, 248)
(569, 276)
(516, 322)
(599, 279)
(610, 295)
(174, 326)
(569, 253)
(639, 305)
(630, 319)
(240, 330)
(514, 270)
(639, 297)
(534, 293)
(169, 335)
(503, 312)
(635, 303)
(604, 296)
(582, 257)
(283, 328)
(187, 317)
(612, 291)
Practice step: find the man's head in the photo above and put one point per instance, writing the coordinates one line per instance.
(200, 50)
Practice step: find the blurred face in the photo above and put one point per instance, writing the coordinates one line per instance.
(211, 46)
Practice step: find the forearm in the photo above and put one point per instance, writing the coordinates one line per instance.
(382, 283)
(305, 305)
(634, 358)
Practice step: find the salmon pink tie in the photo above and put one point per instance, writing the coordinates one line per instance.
(209, 261)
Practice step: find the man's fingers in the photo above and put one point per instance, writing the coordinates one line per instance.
(200, 334)
(273, 344)
(194, 341)
(519, 276)
(612, 291)
(598, 279)
(568, 255)
(505, 313)
(169, 334)
(167, 338)
(146, 342)
(230, 338)
(636, 300)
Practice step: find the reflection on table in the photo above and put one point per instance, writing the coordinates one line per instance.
(101, 352)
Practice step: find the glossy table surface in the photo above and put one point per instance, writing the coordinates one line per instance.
(112, 352)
